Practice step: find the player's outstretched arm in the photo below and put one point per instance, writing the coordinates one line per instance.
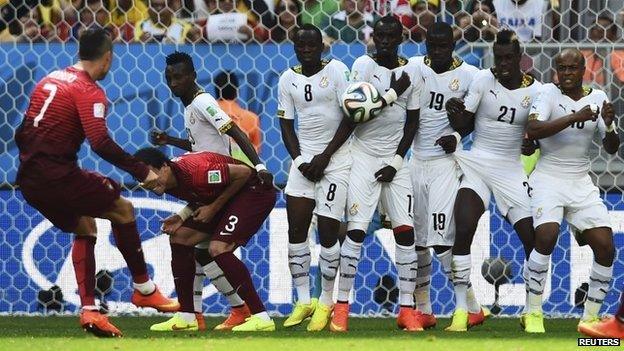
(249, 150)
(412, 122)
(611, 141)
(158, 137)
(320, 161)
(289, 137)
(539, 129)
(238, 175)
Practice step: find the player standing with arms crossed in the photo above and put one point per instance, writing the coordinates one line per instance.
(434, 172)
(497, 110)
(318, 179)
(65, 107)
(209, 128)
(378, 173)
(564, 119)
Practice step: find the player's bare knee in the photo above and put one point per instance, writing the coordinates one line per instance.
(86, 227)
(404, 235)
(122, 212)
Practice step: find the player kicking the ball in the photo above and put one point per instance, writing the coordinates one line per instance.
(318, 178)
(378, 173)
(66, 106)
(565, 118)
(496, 108)
(209, 128)
(434, 172)
(228, 203)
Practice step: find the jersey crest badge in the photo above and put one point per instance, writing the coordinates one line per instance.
(454, 84)
(98, 110)
(354, 209)
(214, 177)
(526, 102)
(324, 82)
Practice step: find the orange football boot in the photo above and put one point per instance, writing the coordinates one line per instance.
(237, 316)
(407, 320)
(201, 322)
(606, 328)
(340, 319)
(475, 319)
(155, 300)
(97, 324)
(427, 321)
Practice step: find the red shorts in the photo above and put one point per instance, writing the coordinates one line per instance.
(64, 201)
(240, 218)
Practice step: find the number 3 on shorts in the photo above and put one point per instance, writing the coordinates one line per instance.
(229, 228)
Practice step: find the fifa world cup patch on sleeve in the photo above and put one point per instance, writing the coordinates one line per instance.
(214, 176)
(211, 110)
(98, 110)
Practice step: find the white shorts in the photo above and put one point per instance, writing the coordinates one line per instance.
(330, 193)
(487, 174)
(435, 184)
(575, 199)
(365, 192)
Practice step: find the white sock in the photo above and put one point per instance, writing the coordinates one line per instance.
(187, 316)
(599, 282)
(198, 287)
(538, 271)
(145, 288)
(525, 275)
(299, 264)
(329, 260)
(218, 279)
(349, 258)
(423, 281)
(406, 263)
(264, 315)
(461, 280)
(446, 261)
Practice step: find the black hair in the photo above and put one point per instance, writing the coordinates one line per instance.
(310, 26)
(152, 157)
(441, 28)
(94, 43)
(389, 19)
(180, 57)
(226, 85)
(506, 37)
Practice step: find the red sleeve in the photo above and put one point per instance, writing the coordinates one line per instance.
(92, 105)
(211, 173)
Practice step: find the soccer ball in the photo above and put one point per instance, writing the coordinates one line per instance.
(496, 271)
(361, 102)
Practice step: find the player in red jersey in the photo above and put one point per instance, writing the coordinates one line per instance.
(65, 107)
(228, 203)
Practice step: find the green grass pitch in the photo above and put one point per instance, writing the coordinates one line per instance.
(375, 334)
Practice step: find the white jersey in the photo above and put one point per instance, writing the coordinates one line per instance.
(501, 115)
(567, 152)
(206, 124)
(315, 100)
(381, 135)
(436, 90)
(525, 20)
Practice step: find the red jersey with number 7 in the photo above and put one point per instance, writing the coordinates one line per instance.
(65, 107)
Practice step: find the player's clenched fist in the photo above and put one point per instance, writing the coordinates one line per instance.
(385, 174)
(171, 224)
(158, 137)
(448, 143)
(266, 178)
(205, 213)
(586, 114)
(455, 106)
(607, 113)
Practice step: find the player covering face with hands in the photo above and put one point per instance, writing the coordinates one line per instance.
(227, 205)
(565, 118)
(66, 107)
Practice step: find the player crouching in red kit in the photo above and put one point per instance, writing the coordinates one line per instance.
(228, 203)
(66, 106)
